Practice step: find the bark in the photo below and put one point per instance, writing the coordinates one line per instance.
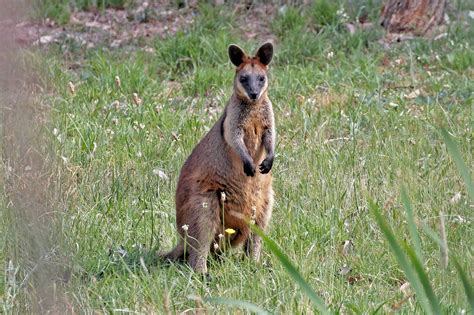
(412, 17)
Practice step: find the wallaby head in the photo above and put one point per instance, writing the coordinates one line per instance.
(251, 81)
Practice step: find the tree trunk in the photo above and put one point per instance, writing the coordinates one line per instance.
(412, 17)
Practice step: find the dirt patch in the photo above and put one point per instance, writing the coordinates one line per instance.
(255, 20)
(112, 27)
(116, 28)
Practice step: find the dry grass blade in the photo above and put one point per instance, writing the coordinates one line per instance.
(444, 242)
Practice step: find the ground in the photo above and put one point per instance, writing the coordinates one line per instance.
(116, 100)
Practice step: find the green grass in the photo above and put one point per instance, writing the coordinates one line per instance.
(60, 10)
(346, 130)
(414, 267)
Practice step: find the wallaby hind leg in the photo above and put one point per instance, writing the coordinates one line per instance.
(201, 231)
(253, 245)
(199, 241)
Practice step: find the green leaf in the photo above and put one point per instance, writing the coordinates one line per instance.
(461, 166)
(465, 282)
(400, 256)
(292, 271)
(415, 237)
(434, 302)
(238, 303)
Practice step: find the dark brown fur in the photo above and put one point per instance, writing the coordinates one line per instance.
(216, 166)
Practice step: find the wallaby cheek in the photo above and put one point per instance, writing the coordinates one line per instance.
(240, 90)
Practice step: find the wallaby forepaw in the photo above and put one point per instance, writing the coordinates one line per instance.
(249, 169)
(266, 166)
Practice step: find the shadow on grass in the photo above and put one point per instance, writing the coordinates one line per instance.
(141, 260)
(137, 259)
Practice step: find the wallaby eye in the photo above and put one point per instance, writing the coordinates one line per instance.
(261, 78)
(243, 79)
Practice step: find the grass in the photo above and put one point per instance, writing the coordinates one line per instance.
(348, 127)
(414, 270)
(60, 10)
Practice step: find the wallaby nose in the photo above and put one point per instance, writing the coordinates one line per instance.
(253, 96)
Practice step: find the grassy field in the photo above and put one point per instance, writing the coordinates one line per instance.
(354, 121)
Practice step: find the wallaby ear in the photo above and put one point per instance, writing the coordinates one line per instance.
(236, 55)
(265, 53)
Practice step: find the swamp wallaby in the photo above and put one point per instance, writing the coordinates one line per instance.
(219, 187)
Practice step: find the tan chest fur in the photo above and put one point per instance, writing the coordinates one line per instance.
(246, 193)
(253, 131)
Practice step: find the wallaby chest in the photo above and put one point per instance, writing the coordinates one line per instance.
(254, 125)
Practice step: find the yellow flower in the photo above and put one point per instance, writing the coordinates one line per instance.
(230, 231)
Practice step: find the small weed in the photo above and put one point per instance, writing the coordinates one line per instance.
(326, 13)
(289, 21)
(60, 10)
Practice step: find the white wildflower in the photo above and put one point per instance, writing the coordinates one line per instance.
(160, 174)
(117, 81)
(347, 247)
(72, 88)
(137, 100)
(347, 226)
(456, 198)
(459, 219)
(405, 289)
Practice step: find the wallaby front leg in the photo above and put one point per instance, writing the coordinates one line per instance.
(268, 141)
(235, 138)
